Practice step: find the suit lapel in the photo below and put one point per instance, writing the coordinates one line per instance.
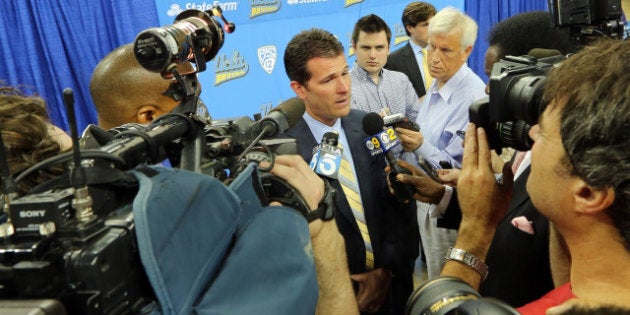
(519, 192)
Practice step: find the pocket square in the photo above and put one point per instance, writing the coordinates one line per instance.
(523, 224)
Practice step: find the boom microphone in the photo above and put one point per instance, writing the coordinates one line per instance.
(383, 141)
(326, 160)
(280, 118)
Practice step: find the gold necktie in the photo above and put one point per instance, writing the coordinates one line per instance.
(428, 79)
(350, 189)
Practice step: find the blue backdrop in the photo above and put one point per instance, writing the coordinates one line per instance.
(50, 45)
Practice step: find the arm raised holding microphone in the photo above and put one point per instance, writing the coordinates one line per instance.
(335, 288)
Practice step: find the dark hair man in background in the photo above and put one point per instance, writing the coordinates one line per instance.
(412, 58)
(374, 88)
(380, 254)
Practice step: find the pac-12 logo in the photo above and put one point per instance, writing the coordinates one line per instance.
(267, 57)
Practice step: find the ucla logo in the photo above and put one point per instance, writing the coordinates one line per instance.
(400, 34)
(267, 57)
(260, 7)
(230, 68)
(352, 2)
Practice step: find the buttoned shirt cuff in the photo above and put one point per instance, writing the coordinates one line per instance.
(436, 211)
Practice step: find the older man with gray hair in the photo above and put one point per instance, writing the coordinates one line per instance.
(444, 111)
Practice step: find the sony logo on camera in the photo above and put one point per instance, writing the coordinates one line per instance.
(32, 213)
(29, 212)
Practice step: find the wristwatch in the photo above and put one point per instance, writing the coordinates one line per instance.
(277, 189)
(468, 259)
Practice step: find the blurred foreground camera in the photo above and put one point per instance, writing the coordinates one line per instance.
(195, 36)
(515, 102)
(449, 295)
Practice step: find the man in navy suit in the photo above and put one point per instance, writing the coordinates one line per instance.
(380, 262)
(408, 59)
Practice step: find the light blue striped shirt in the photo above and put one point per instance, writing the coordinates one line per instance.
(394, 90)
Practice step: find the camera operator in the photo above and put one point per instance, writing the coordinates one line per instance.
(335, 289)
(125, 92)
(579, 179)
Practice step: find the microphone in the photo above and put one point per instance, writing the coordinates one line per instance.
(280, 118)
(383, 141)
(326, 160)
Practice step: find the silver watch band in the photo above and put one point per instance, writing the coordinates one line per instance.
(469, 260)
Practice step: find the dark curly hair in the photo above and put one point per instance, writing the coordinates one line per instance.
(25, 126)
(518, 34)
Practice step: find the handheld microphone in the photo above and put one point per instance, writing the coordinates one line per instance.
(383, 141)
(327, 157)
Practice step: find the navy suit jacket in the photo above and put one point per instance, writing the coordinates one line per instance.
(404, 60)
(391, 225)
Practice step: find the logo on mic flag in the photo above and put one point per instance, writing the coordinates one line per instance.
(327, 160)
(382, 141)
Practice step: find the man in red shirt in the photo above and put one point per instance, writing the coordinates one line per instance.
(580, 180)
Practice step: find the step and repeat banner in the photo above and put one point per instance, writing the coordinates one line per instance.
(247, 76)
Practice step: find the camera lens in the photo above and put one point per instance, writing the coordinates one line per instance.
(515, 134)
(439, 296)
(524, 98)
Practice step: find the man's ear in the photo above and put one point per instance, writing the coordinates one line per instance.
(590, 200)
(467, 52)
(298, 89)
(146, 114)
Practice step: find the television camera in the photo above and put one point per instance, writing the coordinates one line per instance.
(71, 241)
(514, 104)
(588, 18)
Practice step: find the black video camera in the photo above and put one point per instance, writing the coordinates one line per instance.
(515, 102)
(588, 18)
